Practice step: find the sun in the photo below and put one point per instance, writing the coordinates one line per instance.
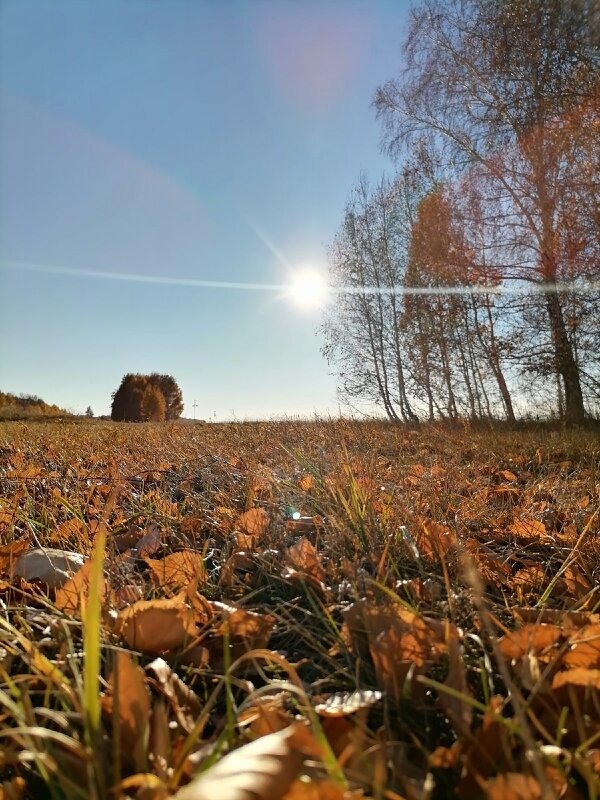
(309, 289)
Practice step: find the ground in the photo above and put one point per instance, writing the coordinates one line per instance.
(368, 610)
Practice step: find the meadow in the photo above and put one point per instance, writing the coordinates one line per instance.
(300, 610)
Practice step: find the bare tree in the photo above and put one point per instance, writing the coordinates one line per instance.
(495, 84)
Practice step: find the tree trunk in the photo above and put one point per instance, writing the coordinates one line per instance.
(566, 365)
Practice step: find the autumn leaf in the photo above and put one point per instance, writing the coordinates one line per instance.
(266, 715)
(128, 690)
(177, 569)
(584, 650)
(10, 552)
(254, 522)
(183, 701)
(532, 638)
(456, 706)
(526, 529)
(247, 630)
(262, 770)
(342, 704)
(513, 786)
(73, 595)
(157, 626)
(304, 558)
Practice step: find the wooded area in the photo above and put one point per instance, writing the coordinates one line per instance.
(468, 283)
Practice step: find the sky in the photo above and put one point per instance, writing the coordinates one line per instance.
(145, 141)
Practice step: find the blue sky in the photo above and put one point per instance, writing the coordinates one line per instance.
(195, 140)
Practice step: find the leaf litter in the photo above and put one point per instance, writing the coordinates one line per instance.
(299, 610)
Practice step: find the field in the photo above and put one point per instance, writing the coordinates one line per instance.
(364, 609)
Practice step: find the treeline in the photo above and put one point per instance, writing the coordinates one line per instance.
(147, 398)
(23, 406)
(468, 284)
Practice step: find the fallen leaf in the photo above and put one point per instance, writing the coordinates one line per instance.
(150, 542)
(127, 689)
(73, 595)
(254, 522)
(584, 650)
(341, 704)
(513, 786)
(177, 569)
(526, 529)
(304, 558)
(533, 638)
(183, 701)
(262, 770)
(157, 626)
(458, 709)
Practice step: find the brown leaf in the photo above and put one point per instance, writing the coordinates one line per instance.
(434, 540)
(303, 557)
(13, 789)
(532, 638)
(262, 770)
(70, 529)
(150, 542)
(183, 701)
(177, 569)
(458, 709)
(527, 529)
(578, 677)
(9, 554)
(266, 715)
(513, 786)
(157, 626)
(159, 744)
(585, 648)
(128, 688)
(73, 595)
(248, 630)
(254, 522)
(306, 482)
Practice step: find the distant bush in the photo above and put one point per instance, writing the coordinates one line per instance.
(144, 398)
(26, 406)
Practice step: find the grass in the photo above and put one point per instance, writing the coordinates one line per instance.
(452, 569)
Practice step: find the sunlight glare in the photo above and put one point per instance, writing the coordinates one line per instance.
(309, 289)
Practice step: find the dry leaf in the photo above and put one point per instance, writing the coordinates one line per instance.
(434, 540)
(458, 709)
(303, 557)
(9, 554)
(585, 648)
(73, 595)
(532, 638)
(527, 529)
(513, 786)
(341, 704)
(177, 569)
(183, 701)
(150, 542)
(254, 522)
(248, 630)
(133, 700)
(262, 770)
(157, 626)
(266, 715)
(13, 789)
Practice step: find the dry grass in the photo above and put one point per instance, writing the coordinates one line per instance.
(448, 574)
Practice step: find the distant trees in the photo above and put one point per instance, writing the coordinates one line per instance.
(495, 128)
(144, 398)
